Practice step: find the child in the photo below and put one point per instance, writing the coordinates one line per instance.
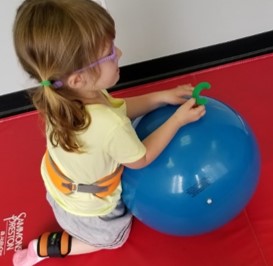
(68, 46)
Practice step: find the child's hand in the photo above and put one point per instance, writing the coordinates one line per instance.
(177, 95)
(189, 112)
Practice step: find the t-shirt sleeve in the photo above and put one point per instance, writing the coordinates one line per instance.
(123, 144)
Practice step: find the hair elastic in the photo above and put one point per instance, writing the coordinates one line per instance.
(56, 84)
(46, 83)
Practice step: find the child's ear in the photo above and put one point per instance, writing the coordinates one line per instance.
(76, 80)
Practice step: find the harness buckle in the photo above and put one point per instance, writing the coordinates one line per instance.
(74, 187)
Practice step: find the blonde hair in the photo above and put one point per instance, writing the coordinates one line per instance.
(52, 39)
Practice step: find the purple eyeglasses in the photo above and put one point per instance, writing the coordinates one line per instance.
(111, 57)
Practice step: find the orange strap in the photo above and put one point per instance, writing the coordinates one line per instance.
(42, 245)
(102, 188)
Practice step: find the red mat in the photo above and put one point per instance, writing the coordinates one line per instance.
(245, 241)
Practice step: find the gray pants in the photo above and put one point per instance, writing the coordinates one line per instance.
(109, 231)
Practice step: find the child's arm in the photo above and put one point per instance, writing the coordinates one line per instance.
(141, 105)
(156, 142)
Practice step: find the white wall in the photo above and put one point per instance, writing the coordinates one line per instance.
(148, 29)
(152, 28)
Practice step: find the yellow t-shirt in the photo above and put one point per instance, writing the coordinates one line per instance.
(109, 141)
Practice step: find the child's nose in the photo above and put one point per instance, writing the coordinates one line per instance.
(118, 52)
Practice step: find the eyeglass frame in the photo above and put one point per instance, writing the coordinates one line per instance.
(111, 57)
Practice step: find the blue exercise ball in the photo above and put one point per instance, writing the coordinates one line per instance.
(204, 177)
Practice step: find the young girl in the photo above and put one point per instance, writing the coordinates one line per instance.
(68, 46)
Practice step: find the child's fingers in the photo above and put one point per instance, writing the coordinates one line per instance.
(190, 103)
(186, 87)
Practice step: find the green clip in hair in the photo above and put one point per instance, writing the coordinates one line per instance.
(46, 83)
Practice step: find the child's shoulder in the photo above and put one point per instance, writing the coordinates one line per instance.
(106, 114)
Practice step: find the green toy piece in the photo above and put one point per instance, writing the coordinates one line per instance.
(196, 91)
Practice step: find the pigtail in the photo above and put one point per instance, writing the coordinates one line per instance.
(64, 116)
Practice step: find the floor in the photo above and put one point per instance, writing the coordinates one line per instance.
(247, 240)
